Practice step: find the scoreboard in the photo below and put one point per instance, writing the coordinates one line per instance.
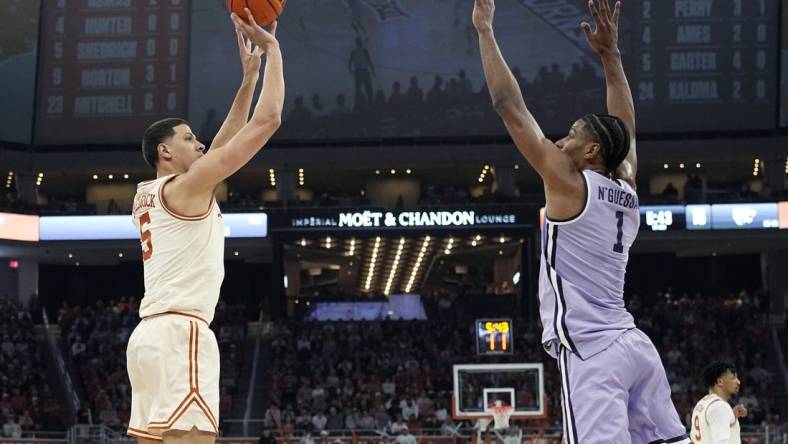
(694, 65)
(107, 68)
(493, 336)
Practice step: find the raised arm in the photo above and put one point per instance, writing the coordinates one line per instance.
(552, 164)
(604, 40)
(239, 111)
(214, 167)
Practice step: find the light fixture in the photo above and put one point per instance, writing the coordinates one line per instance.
(371, 270)
(756, 168)
(303, 242)
(393, 171)
(681, 165)
(352, 250)
(235, 253)
(120, 254)
(516, 166)
(110, 176)
(328, 242)
(483, 174)
(473, 243)
(697, 165)
(502, 239)
(301, 176)
(407, 171)
(449, 246)
(70, 255)
(665, 166)
(394, 266)
(125, 176)
(272, 177)
(377, 172)
(417, 265)
(95, 177)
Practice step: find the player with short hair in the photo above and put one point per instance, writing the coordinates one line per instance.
(614, 388)
(713, 419)
(172, 355)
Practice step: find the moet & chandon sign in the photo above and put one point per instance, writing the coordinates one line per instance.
(405, 219)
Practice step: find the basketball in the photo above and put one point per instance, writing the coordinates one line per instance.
(264, 11)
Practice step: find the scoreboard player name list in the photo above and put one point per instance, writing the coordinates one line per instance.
(705, 52)
(113, 59)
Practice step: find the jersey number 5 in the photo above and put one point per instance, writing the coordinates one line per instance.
(697, 429)
(145, 237)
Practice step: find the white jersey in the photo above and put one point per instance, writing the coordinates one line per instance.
(703, 431)
(183, 257)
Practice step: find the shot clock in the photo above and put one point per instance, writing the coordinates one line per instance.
(494, 336)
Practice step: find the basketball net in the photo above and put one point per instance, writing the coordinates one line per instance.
(501, 415)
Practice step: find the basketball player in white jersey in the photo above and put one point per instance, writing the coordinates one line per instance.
(713, 419)
(172, 355)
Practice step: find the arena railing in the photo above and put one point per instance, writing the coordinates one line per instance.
(778, 351)
(253, 376)
(68, 386)
(100, 434)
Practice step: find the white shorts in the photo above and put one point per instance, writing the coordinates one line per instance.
(173, 364)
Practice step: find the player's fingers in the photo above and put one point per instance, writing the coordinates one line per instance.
(587, 29)
(272, 29)
(240, 38)
(249, 17)
(236, 21)
(604, 8)
(617, 12)
(594, 11)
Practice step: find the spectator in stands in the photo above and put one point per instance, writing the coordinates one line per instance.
(405, 437)
(11, 429)
(670, 193)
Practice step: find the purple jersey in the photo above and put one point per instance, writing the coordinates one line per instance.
(584, 260)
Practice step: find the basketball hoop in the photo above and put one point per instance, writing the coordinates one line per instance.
(501, 415)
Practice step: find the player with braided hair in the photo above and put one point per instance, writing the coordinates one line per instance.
(614, 388)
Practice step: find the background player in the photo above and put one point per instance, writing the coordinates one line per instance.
(614, 388)
(172, 356)
(713, 419)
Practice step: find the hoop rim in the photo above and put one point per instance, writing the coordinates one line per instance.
(488, 415)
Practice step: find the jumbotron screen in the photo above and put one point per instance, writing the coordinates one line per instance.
(401, 68)
(107, 68)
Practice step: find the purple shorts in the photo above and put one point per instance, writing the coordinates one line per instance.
(618, 396)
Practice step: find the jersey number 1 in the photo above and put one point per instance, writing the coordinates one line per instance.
(145, 237)
(618, 247)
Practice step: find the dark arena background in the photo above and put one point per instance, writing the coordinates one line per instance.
(390, 231)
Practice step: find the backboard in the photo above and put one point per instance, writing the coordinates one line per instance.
(479, 386)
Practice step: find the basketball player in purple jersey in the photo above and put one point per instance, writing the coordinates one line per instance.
(614, 388)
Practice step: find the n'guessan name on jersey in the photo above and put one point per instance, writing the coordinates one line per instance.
(618, 197)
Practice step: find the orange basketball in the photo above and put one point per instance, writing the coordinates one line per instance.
(264, 11)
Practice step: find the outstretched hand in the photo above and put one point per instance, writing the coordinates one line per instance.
(250, 56)
(483, 12)
(740, 411)
(264, 40)
(603, 39)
